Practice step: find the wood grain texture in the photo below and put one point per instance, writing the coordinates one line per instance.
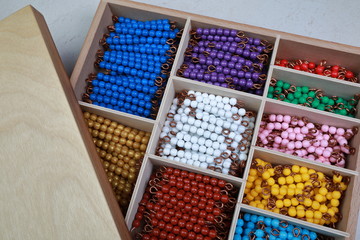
(49, 188)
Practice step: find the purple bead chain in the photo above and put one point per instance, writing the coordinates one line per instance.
(227, 58)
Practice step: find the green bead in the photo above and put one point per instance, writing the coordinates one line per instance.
(295, 101)
(304, 95)
(302, 100)
(279, 83)
(315, 103)
(339, 100)
(321, 107)
(278, 90)
(331, 102)
(305, 89)
(286, 85)
(297, 94)
(270, 95)
(271, 89)
(343, 112)
(287, 100)
(312, 94)
(325, 100)
(290, 96)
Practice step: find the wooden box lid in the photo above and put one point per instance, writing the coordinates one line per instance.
(48, 186)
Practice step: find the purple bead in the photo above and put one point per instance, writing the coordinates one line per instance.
(221, 78)
(257, 41)
(241, 74)
(233, 72)
(251, 40)
(223, 38)
(236, 81)
(238, 66)
(199, 31)
(249, 83)
(213, 31)
(213, 78)
(218, 46)
(210, 37)
(219, 31)
(234, 58)
(226, 71)
(225, 48)
(200, 76)
(242, 82)
(216, 83)
(220, 55)
(209, 61)
(259, 91)
(231, 64)
(248, 75)
(241, 60)
(201, 43)
(216, 62)
(232, 49)
(213, 54)
(202, 59)
(255, 76)
(219, 69)
(206, 31)
(253, 55)
(227, 56)
(237, 39)
(206, 77)
(226, 32)
(186, 73)
(217, 38)
(231, 39)
(224, 85)
(233, 33)
(191, 66)
(247, 47)
(201, 49)
(239, 51)
(248, 63)
(196, 49)
(223, 63)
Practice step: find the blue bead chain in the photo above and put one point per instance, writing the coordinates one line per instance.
(134, 66)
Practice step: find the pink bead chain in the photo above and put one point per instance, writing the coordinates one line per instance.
(299, 137)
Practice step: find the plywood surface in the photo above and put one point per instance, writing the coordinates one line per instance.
(48, 186)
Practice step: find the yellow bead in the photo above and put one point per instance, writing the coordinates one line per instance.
(289, 179)
(266, 175)
(249, 185)
(253, 204)
(317, 215)
(250, 197)
(343, 186)
(299, 207)
(315, 205)
(337, 179)
(333, 219)
(297, 178)
(308, 184)
(307, 202)
(260, 205)
(251, 179)
(265, 202)
(310, 220)
(323, 208)
(279, 203)
(309, 214)
(294, 202)
(317, 221)
(298, 191)
(311, 171)
(292, 212)
(336, 210)
(291, 192)
(247, 190)
(329, 196)
(258, 188)
(287, 202)
(323, 191)
(322, 221)
(319, 198)
(300, 185)
(271, 171)
(295, 168)
(266, 196)
(283, 191)
(275, 191)
(253, 172)
(300, 213)
(336, 194)
(293, 186)
(303, 170)
(287, 171)
(331, 212)
(276, 210)
(258, 181)
(281, 180)
(271, 181)
(320, 176)
(258, 199)
(334, 202)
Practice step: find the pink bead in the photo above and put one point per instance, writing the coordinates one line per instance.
(341, 163)
(270, 126)
(311, 157)
(304, 152)
(262, 136)
(292, 136)
(287, 119)
(276, 146)
(301, 123)
(310, 125)
(327, 162)
(289, 152)
(345, 150)
(265, 141)
(324, 128)
(290, 130)
(297, 130)
(316, 144)
(298, 144)
(333, 160)
(326, 137)
(284, 142)
(318, 160)
(332, 130)
(342, 141)
(311, 149)
(291, 145)
(304, 130)
(306, 143)
(277, 126)
(324, 143)
(278, 140)
(299, 137)
(319, 137)
(272, 117)
(279, 118)
(329, 149)
(266, 132)
(318, 151)
(284, 134)
(322, 159)
(340, 131)
(326, 153)
(299, 153)
(284, 125)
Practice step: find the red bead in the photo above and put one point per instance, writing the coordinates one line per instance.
(146, 196)
(149, 205)
(138, 216)
(319, 69)
(194, 183)
(174, 221)
(194, 189)
(159, 195)
(157, 207)
(186, 217)
(177, 172)
(198, 177)
(184, 174)
(167, 217)
(180, 194)
(176, 230)
(173, 201)
(170, 236)
(216, 189)
(172, 182)
(187, 187)
(178, 214)
(154, 222)
(195, 211)
(191, 175)
(209, 208)
(199, 237)
(168, 227)
(201, 205)
(335, 68)
(173, 191)
(179, 179)
(163, 235)
(169, 170)
(187, 181)
(207, 238)
(208, 194)
(191, 235)
(201, 185)
(159, 215)
(161, 224)
(187, 198)
(211, 202)
(194, 202)
(165, 188)
(216, 196)
(197, 197)
(193, 219)
(311, 65)
(167, 197)
(178, 238)
(189, 226)
(141, 209)
(334, 74)
(304, 67)
(297, 67)
(181, 204)
(201, 192)
(210, 217)
(213, 181)
(166, 175)
(202, 214)
(205, 231)
(153, 238)
(187, 207)
(136, 223)
(171, 212)
(216, 211)
(184, 233)
(349, 74)
(206, 179)
(225, 198)
(212, 233)
(208, 188)
(155, 232)
(201, 221)
(197, 228)
(169, 205)
(284, 62)
(162, 202)
(181, 223)
(146, 237)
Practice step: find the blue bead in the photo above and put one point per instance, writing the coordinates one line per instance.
(102, 64)
(109, 93)
(289, 228)
(267, 221)
(305, 232)
(142, 103)
(106, 99)
(147, 113)
(112, 79)
(121, 89)
(128, 99)
(101, 104)
(313, 235)
(115, 95)
(247, 217)
(268, 229)
(259, 233)
(108, 85)
(127, 91)
(113, 101)
(148, 105)
(127, 105)
(95, 82)
(100, 76)
(237, 237)
(240, 223)
(275, 223)
(96, 89)
(135, 101)
(250, 225)
(283, 235)
(93, 97)
(99, 98)
(120, 103)
(247, 231)
(122, 96)
(102, 91)
(253, 218)
(140, 111)
(133, 108)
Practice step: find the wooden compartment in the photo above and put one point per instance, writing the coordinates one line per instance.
(285, 46)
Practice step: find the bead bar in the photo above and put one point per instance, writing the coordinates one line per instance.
(286, 46)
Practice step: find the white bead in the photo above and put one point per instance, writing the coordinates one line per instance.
(177, 159)
(241, 111)
(199, 115)
(218, 98)
(234, 110)
(242, 156)
(195, 156)
(171, 157)
(238, 138)
(193, 104)
(190, 162)
(232, 135)
(206, 117)
(179, 126)
(202, 157)
(188, 145)
(200, 132)
(197, 123)
(214, 110)
(241, 129)
(226, 124)
(194, 139)
(209, 159)
(207, 108)
(223, 147)
(166, 129)
(221, 112)
(199, 98)
(179, 135)
(220, 105)
(195, 147)
(227, 107)
(203, 165)
(166, 151)
(168, 145)
(202, 149)
(187, 102)
(217, 153)
(204, 125)
(177, 117)
(205, 95)
(234, 127)
(191, 92)
(163, 134)
(227, 163)
(180, 153)
(213, 103)
(211, 96)
(220, 139)
(213, 137)
(215, 145)
(251, 125)
(187, 137)
(201, 141)
(175, 101)
(180, 110)
(187, 111)
(219, 122)
(206, 100)
(198, 93)
(208, 143)
(228, 114)
(186, 127)
(193, 129)
(173, 109)
(218, 130)
(173, 152)
(191, 120)
(211, 127)
(196, 164)
(201, 106)
(184, 119)
(234, 144)
(212, 119)
(174, 140)
(225, 100)
(183, 160)
(225, 171)
(181, 143)
(233, 101)
(207, 134)
(210, 151)
(188, 155)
